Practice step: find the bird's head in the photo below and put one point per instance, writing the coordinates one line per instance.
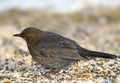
(29, 34)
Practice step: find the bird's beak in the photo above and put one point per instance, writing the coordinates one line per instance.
(18, 35)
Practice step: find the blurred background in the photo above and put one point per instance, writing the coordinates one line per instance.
(94, 24)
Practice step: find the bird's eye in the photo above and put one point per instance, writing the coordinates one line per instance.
(29, 38)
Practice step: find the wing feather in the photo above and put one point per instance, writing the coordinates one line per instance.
(57, 46)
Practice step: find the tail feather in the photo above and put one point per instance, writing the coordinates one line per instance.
(87, 53)
(101, 55)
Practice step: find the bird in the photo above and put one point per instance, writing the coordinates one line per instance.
(55, 51)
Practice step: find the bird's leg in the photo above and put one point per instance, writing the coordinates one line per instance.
(47, 74)
(51, 71)
(54, 71)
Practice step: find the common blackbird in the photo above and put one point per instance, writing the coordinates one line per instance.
(55, 51)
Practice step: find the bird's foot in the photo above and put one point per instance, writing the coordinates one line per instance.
(47, 75)
(51, 71)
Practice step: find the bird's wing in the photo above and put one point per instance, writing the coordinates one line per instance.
(57, 46)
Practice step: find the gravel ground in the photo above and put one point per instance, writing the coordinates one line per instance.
(16, 64)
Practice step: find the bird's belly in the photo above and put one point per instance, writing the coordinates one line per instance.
(50, 62)
(53, 62)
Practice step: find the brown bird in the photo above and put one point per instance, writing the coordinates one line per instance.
(55, 51)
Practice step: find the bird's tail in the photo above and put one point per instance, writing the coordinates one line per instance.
(87, 53)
